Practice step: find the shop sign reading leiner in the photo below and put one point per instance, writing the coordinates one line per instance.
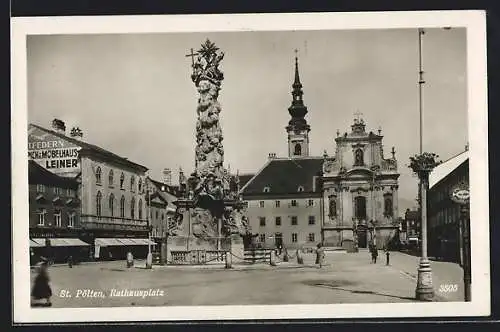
(52, 153)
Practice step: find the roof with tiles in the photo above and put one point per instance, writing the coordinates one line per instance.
(91, 147)
(286, 176)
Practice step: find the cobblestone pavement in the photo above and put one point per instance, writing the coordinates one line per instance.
(347, 278)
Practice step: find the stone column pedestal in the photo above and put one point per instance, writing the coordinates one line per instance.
(272, 258)
(229, 260)
(425, 290)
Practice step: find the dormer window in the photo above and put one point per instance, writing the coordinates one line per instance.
(266, 189)
(300, 189)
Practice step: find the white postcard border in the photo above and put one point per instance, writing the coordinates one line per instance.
(474, 21)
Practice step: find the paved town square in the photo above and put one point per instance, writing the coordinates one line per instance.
(347, 278)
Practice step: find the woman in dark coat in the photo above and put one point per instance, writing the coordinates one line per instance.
(374, 254)
(41, 288)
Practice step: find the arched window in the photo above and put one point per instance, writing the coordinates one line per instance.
(140, 208)
(297, 150)
(132, 208)
(122, 207)
(139, 187)
(111, 205)
(300, 189)
(132, 183)
(110, 177)
(358, 158)
(388, 206)
(98, 173)
(332, 208)
(122, 180)
(266, 189)
(98, 201)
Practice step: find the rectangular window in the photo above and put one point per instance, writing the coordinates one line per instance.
(312, 220)
(262, 238)
(278, 221)
(261, 204)
(57, 218)
(262, 221)
(40, 188)
(294, 237)
(310, 202)
(311, 237)
(71, 220)
(294, 220)
(41, 217)
(277, 204)
(294, 202)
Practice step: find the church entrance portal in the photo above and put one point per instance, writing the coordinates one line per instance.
(361, 233)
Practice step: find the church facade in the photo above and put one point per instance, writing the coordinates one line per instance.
(347, 200)
(360, 190)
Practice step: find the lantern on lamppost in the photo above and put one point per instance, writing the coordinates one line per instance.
(422, 165)
(460, 195)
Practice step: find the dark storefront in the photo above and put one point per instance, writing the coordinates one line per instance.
(444, 238)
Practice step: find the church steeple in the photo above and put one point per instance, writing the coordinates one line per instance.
(297, 129)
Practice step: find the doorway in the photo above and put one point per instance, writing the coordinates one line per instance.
(278, 240)
(361, 233)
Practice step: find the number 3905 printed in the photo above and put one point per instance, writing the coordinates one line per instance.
(448, 288)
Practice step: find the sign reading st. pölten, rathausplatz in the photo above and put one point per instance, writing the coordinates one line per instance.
(460, 193)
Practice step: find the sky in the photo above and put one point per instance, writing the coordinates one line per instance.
(132, 93)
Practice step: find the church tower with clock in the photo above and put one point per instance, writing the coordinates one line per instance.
(298, 129)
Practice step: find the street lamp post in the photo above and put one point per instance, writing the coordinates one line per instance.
(460, 195)
(423, 164)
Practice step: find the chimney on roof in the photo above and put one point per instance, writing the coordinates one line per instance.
(272, 155)
(467, 147)
(59, 126)
(76, 132)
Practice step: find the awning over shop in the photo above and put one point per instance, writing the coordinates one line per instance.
(144, 242)
(105, 242)
(127, 242)
(62, 242)
(34, 244)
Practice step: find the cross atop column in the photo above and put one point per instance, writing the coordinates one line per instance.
(393, 151)
(192, 54)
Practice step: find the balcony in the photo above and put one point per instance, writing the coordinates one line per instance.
(112, 223)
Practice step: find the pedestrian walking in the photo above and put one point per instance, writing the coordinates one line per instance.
(41, 289)
(374, 255)
(70, 261)
(387, 254)
(130, 259)
(320, 255)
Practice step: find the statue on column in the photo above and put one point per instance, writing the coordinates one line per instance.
(210, 182)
